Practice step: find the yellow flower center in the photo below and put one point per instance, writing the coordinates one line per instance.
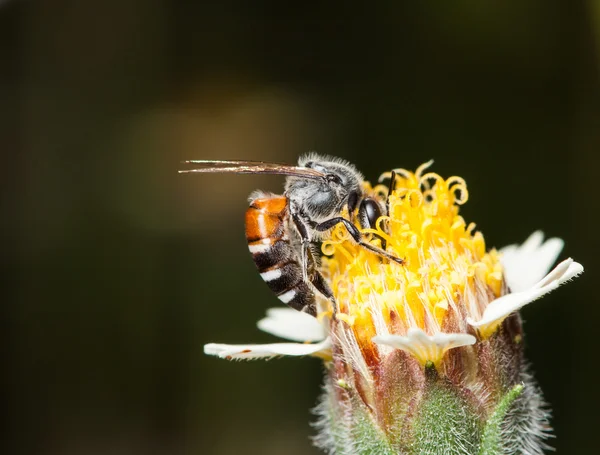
(447, 273)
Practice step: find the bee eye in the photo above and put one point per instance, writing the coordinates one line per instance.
(370, 212)
(334, 179)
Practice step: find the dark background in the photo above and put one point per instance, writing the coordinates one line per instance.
(119, 269)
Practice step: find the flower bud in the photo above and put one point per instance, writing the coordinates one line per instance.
(423, 355)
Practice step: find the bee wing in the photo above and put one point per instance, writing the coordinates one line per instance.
(250, 167)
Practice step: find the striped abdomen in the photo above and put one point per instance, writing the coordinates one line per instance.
(279, 264)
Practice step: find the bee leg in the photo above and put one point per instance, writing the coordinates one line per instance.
(357, 236)
(352, 204)
(319, 282)
(305, 238)
(309, 264)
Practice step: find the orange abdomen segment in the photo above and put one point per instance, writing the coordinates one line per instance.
(266, 218)
(267, 221)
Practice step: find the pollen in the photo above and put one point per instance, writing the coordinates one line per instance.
(447, 274)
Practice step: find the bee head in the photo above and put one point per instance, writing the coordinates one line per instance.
(322, 199)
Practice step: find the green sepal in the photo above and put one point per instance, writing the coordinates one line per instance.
(491, 441)
(349, 430)
(369, 440)
(445, 424)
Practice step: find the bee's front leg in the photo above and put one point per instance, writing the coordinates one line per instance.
(357, 236)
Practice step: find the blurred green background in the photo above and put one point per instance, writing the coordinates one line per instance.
(119, 269)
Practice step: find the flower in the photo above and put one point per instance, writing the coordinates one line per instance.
(424, 356)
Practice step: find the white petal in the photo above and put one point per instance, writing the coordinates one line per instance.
(500, 308)
(563, 272)
(426, 347)
(257, 351)
(292, 325)
(526, 264)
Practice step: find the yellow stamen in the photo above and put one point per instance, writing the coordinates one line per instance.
(446, 266)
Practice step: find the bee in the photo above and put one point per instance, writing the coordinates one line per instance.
(281, 230)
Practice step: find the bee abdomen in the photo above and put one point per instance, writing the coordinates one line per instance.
(277, 261)
(301, 298)
(282, 277)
